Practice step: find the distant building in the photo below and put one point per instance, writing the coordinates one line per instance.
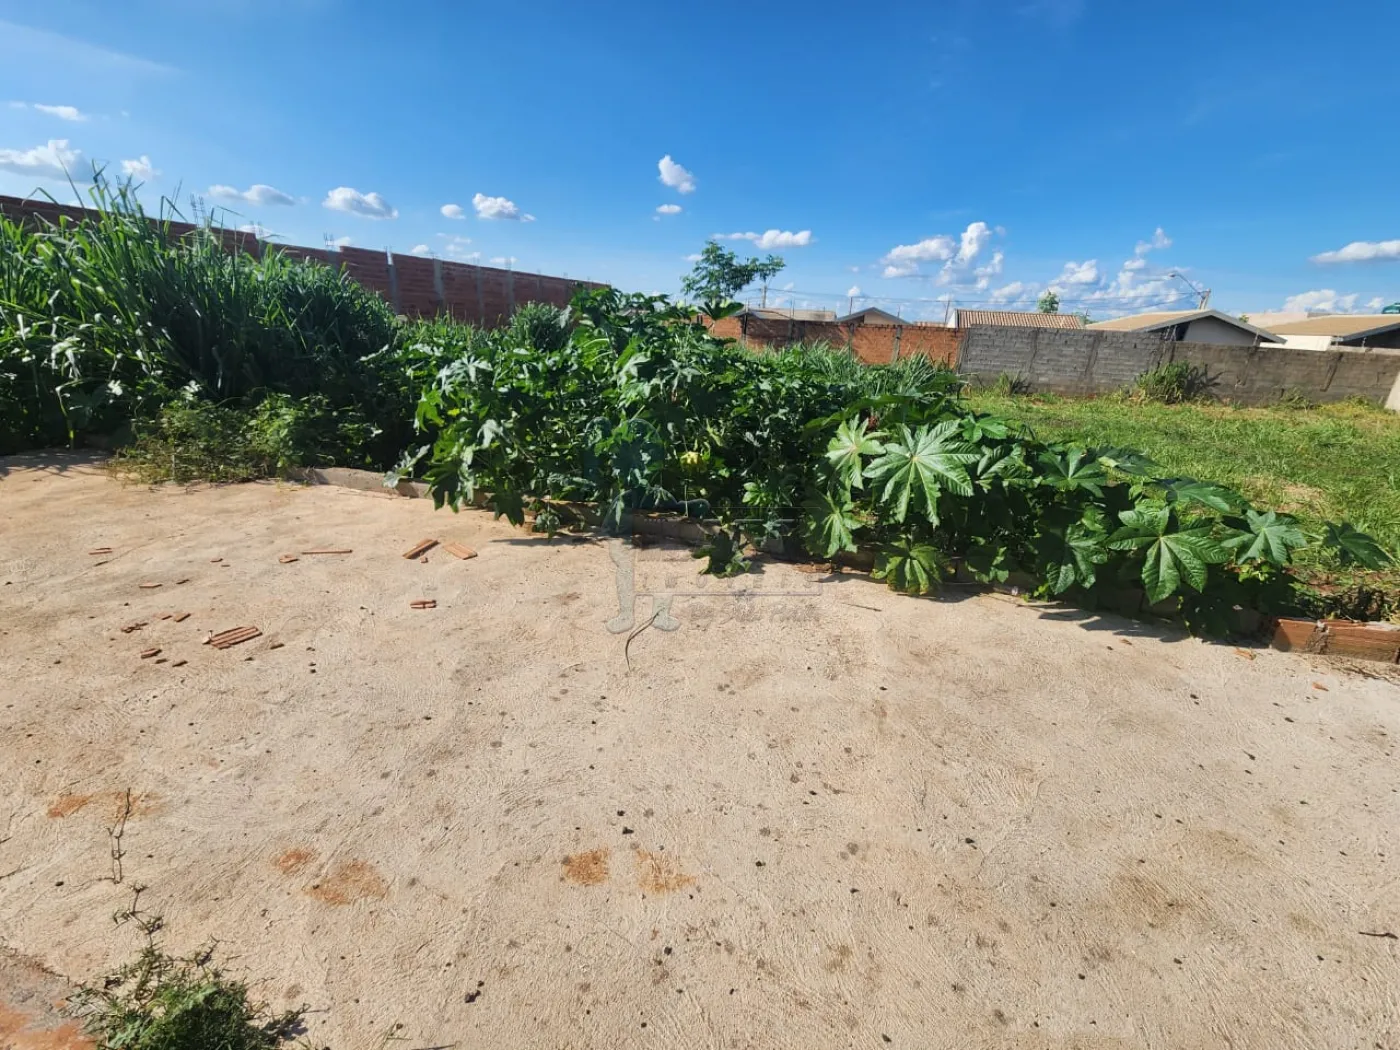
(872, 315)
(1013, 319)
(1381, 331)
(1190, 326)
(771, 313)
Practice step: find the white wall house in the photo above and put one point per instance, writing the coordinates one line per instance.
(1191, 326)
(1352, 331)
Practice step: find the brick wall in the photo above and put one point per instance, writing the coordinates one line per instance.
(1099, 362)
(415, 286)
(875, 344)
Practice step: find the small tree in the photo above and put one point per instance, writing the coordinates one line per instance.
(719, 275)
(1049, 303)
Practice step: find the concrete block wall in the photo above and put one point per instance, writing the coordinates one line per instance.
(415, 286)
(1098, 362)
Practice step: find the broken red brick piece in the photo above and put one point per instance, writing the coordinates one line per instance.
(1319, 685)
(420, 548)
(148, 653)
(423, 603)
(133, 626)
(180, 617)
(233, 636)
(179, 663)
(165, 616)
(1246, 654)
(149, 586)
(330, 550)
(100, 550)
(287, 559)
(459, 550)
(185, 580)
(276, 645)
(214, 561)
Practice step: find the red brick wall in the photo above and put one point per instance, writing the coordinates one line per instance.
(417, 287)
(875, 344)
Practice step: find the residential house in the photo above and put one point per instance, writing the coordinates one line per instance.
(1190, 326)
(1360, 331)
(871, 315)
(770, 313)
(1013, 319)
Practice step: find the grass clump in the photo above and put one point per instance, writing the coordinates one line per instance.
(161, 1002)
(1173, 384)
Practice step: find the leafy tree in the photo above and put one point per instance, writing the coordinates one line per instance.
(719, 275)
(1048, 303)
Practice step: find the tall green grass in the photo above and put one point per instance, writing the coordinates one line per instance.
(109, 318)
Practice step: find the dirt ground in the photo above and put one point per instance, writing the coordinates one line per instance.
(816, 815)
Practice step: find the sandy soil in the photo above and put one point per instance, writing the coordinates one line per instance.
(831, 817)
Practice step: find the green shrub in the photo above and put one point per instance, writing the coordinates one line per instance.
(1174, 384)
(191, 440)
(642, 408)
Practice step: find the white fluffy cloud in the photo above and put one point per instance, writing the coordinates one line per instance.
(959, 257)
(455, 247)
(504, 260)
(420, 249)
(453, 211)
(71, 113)
(259, 194)
(770, 239)
(1015, 292)
(903, 259)
(1159, 241)
(1322, 300)
(54, 160)
(668, 209)
(365, 205)
(692, 257)
(853, 291)
(675, 176)
(342, 242)
(1077, 274)
(498, 208)
(141, 169)
(258, 230)
(1361, 251)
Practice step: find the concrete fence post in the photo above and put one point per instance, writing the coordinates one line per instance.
(438, 288)
(894, 350)
(394, 283)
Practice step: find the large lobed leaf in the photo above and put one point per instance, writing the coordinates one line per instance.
(918, 464)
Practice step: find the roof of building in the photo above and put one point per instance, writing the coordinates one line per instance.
(1167, 318)
(872, 313)
(774, 314)
(1343, 326)
(1017, 319)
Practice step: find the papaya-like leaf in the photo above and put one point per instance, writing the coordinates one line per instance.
(918, 463)
(1173, 555)
(853, 441)
(1270, 537)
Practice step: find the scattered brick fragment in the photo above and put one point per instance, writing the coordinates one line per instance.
(233, 636)
(129, 628)
(423, 603)
(420, 548)
(148, 653)
(100, 550)
(287, 559)
(330, 550)
(149, 586)
(459, 550)
(180, 617)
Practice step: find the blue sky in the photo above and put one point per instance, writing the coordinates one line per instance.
(978, 150)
